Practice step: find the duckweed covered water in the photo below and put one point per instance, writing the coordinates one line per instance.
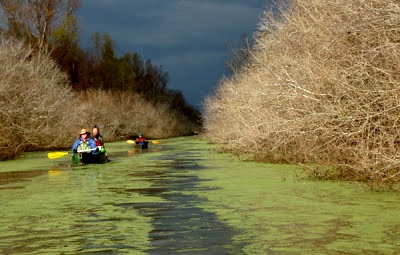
(180, 197)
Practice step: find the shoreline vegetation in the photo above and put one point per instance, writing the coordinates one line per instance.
(319, 87)
(51, 88)
(40, 110)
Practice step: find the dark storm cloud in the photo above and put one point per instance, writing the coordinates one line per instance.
(188, 38)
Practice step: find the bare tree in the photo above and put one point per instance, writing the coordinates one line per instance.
(238, 55)
(32, 21)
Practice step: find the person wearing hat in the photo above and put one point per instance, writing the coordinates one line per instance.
(142, 141)
(84, 143)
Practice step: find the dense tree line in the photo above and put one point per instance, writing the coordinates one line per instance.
(51, 26)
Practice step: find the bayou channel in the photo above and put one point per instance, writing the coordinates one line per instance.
(182, 197)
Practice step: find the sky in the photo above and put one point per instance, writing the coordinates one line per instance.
(188, 38)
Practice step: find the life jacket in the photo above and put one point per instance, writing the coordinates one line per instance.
(83, 146)
(98, 140)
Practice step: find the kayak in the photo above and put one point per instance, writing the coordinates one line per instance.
(89, 158)
(143, 145)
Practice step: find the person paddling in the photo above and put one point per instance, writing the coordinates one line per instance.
(84, 143)
(140, 138)
(98, 138)
(142, 141)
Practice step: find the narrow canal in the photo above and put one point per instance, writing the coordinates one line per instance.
(182, 197)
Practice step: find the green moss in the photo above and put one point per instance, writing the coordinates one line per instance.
(275, 209)
(49, 207)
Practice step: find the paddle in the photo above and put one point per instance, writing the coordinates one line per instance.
(134, 142)
(60, 154)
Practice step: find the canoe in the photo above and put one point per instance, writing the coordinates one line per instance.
(89, 158)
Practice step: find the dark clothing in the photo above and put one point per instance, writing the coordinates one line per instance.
(141, 141)
(98, 140)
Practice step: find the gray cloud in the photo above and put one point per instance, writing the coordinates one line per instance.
(180, 35)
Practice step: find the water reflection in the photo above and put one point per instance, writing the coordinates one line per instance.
(181, 198)
(180, 226)
(16, 179)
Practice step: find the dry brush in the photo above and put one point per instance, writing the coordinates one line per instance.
(322, 87)
(34, 101)
(120, 115)
(39, 110)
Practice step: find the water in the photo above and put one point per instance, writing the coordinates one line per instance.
(181, 197)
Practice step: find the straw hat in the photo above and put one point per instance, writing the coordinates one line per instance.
(83, 131)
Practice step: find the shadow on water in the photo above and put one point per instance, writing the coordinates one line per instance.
(17, 178)
(180, 225)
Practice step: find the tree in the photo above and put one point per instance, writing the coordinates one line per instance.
(32, 21)
(65, 50)
(239, 55)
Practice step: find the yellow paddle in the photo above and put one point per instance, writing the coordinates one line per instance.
(56, 154)
(60, 154)
(134, 142)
